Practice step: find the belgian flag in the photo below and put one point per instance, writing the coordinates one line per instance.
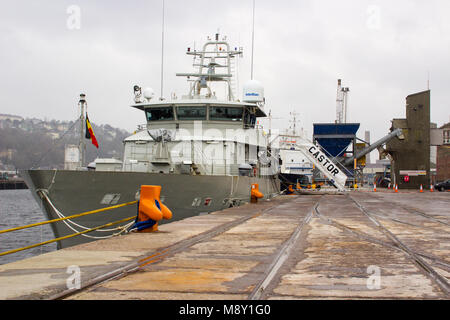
(90, 132)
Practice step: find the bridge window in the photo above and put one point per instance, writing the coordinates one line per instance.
(191, 113)
(225, 114)
(162, 113)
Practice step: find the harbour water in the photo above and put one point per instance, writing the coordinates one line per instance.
(17, 208)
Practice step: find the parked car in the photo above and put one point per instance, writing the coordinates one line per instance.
(442, 186)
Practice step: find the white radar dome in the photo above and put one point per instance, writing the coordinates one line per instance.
(148, 93)
(253, 91)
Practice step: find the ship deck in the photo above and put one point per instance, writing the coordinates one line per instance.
(361, 245)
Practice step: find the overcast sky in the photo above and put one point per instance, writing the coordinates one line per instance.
(382, 50)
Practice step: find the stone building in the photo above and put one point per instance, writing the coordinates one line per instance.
(443, 155)
(411, 156)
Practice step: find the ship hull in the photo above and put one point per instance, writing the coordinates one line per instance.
(72, 192)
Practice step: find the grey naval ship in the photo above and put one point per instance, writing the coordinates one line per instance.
(205, 151)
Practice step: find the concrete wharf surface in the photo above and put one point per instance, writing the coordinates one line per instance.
(362, 245)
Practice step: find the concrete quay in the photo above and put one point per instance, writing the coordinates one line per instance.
(360, 245)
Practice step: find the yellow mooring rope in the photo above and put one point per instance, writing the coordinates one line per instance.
(69, 217)
(68, 236)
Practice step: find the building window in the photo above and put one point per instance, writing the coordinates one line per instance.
(446, 136)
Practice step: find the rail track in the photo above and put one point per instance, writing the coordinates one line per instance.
(417, 258)
(413, 210)
(395, 243)
(183, 245)
(269, 278)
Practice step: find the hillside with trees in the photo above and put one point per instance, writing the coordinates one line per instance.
(35, 143)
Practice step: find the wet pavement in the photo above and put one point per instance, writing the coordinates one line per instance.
(361, 245)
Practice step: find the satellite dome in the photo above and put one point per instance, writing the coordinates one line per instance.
(148, 93)
(253, 91)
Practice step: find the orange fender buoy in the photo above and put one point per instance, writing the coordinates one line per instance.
(151, 207)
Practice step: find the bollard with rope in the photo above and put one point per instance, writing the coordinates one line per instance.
(149, 199)
(150, 210)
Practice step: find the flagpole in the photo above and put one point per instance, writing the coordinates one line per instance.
(82, 145)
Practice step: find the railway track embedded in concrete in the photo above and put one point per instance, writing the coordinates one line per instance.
(323, 230)
(416, 258)
(183, 245)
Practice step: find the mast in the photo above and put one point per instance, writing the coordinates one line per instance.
(339, 102)
(253, 39)
(215, 54)
(162, 53)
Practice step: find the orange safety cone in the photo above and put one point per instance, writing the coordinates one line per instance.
(374, 187)
(421, 188)
(396, 188)
(431, 188)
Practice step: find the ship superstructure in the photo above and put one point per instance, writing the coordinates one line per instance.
(200, 133)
